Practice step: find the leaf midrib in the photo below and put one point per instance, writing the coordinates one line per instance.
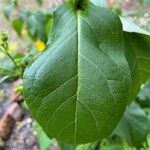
(76, 107)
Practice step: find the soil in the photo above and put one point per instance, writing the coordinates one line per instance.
(22, 135)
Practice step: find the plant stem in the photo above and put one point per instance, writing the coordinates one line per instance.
(11, 58)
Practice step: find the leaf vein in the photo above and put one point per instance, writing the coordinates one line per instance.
(91, 112)
(44, 99)
(60, 132)
(58, 109)
(99, 70)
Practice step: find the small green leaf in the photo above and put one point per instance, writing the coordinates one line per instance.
(37, 25)
(4, 71)
(2, 79)
(15, 2)
(18, 25)
(8, 9)
(19, 89)
(7, 64)
(75, 86)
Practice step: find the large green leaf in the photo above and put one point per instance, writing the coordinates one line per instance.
(137, 50)
(82, 78)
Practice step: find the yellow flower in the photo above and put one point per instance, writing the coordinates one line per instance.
(40, 45)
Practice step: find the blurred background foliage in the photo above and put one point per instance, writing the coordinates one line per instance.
(25, 27)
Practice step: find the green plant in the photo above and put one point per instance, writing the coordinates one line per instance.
(101, 41)
(12, 61)
(27, 25)
(12, 65)
(79, 87)
(28, 20)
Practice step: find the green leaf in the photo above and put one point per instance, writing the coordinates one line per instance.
(82, 78)
(2, 79)
(7, 64)
(4, 71)
(8, 9)
(15, 2)
(137, 50)
(37, 25)
(18, 25)
(7, 68)
(134, 126)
